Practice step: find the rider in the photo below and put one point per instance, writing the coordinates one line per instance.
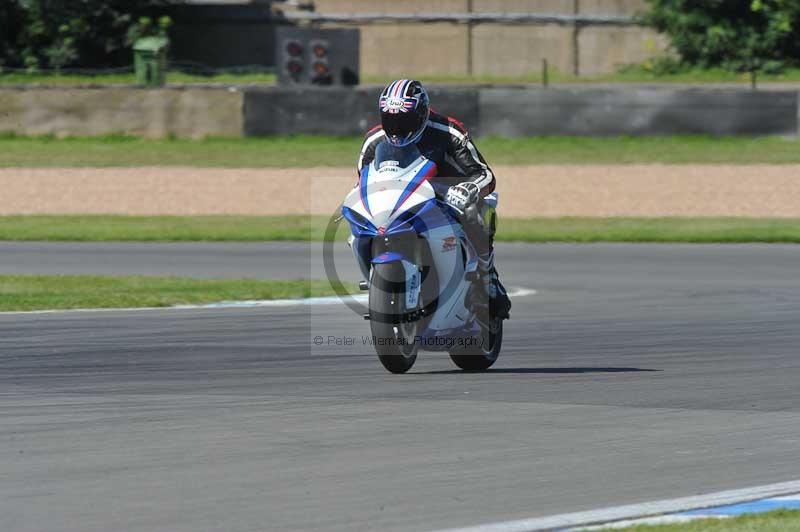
(406, 118)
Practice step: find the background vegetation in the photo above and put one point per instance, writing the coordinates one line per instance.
(755, 36)
(55, 34)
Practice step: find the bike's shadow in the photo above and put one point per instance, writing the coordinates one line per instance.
(544, 371)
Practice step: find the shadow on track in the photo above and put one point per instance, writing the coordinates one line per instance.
(521, 371)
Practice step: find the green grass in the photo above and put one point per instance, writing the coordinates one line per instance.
(40, 292)
(690, 230)
(299, 151)
(161, 228)
(268, 228)
(643, 73)
(686, 149)
(127, 79)
(777, 521)
(305, 151)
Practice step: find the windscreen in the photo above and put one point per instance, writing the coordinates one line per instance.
(389, 155)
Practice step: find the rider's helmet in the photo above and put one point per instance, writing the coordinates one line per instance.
(404, 108)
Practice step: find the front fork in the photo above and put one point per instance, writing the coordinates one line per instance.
(408, 249)
(405, 249)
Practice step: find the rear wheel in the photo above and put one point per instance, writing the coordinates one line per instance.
(393, 335)
(481, 356)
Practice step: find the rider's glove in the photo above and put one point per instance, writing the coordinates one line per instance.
(462, 195)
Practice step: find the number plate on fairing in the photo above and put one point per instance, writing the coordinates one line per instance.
(413, 281)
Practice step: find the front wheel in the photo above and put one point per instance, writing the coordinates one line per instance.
(480, 357)
(395, 339)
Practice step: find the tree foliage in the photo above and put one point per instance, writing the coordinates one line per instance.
(741, 35)
(11, 18)
(72, 33)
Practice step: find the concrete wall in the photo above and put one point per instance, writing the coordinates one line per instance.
(333, 112)
(402, 50)
(500, 50)
(191, 113)
(512, 50)
(390, 6)
(611, 7)
(518, 112)
(604, 49)
(486, 111)
(595, 7)
(599, 112)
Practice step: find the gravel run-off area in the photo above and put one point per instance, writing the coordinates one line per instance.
(549, 190)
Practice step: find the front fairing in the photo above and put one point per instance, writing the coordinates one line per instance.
(392, 192)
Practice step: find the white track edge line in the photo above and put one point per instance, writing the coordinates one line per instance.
(636, 511)
(328, 300)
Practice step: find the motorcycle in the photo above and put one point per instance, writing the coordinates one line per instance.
(420, 269)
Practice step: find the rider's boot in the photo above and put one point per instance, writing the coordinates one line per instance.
(499, 303)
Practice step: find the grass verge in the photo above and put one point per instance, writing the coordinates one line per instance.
(128, 78)
(276, 228)
(688, 230)
(631, 74)
(56, 292)
(161, 228)
(777, 521)
(643, 73)
(307, 151)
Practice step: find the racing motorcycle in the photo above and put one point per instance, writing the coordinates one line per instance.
(419, 267)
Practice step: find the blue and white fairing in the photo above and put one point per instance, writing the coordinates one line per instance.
(390, 192)
(395, 198)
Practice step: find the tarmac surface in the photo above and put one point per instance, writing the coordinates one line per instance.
(635, 373)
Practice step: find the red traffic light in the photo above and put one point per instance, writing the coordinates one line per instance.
(294, 67)
(294, 48)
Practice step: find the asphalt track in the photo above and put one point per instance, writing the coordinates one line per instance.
(635, 373)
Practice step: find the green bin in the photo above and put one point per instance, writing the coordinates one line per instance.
(150, 61)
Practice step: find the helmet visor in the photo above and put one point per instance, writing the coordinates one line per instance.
(400, 128)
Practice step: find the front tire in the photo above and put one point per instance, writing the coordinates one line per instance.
(480, 357)
(394, 338)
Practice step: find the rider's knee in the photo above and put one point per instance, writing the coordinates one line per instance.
(489, 219)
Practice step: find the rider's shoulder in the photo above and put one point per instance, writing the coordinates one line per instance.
(448, 124)
(457, 125)
(375, 131)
